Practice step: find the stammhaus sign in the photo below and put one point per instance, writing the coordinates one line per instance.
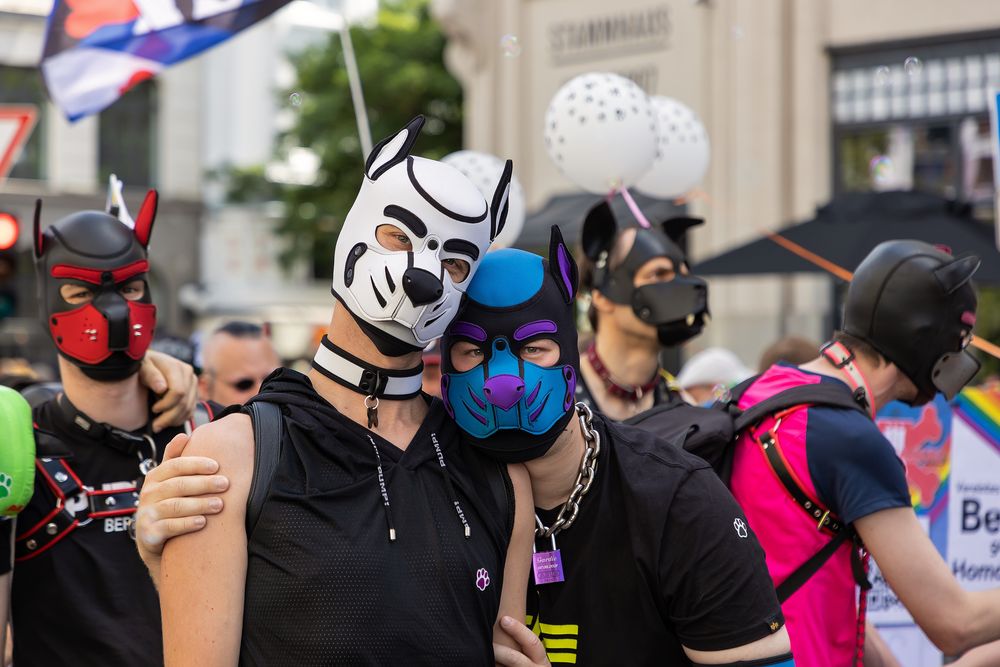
(627, 32)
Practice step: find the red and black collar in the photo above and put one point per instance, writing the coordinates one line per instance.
(633, 393)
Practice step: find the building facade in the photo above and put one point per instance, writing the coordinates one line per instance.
(180, 132)
(800, 99)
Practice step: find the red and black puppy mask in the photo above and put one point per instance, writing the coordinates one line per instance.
(107, 336)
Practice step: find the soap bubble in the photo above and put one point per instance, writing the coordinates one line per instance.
(882, 169)
(881, 76)
(295, 99)
(510, 45)
(913, 66)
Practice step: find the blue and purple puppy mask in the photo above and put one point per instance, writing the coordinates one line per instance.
(513, 409)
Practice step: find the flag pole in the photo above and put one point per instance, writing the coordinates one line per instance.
(357, 96)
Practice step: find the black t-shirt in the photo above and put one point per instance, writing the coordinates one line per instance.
(88, 599)
(659, 556)
(326, 586)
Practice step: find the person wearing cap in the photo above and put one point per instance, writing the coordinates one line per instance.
(643, 298)
(709, 373)
(235, 360)
(908, 319)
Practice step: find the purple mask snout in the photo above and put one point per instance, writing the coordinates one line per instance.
(504, 391)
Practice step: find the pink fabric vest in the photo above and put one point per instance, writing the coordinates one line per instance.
(821, 617)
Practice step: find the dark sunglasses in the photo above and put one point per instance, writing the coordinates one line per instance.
(244, 384)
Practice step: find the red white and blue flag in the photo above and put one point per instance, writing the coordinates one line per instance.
(95, 50)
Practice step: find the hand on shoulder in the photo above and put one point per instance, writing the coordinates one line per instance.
(190, 484)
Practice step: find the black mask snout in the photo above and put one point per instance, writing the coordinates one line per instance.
(421, 286)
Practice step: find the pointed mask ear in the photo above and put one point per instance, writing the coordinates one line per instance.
(954, 274)
(38, 239)
(501, 201)
(676, 228)
(599, 230)
(144, 221)
(562, 266)
(393, 149)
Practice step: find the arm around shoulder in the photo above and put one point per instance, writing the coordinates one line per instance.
(203, 574)
(517, 564)
(953, 618)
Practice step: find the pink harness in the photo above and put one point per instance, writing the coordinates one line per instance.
(825, 622)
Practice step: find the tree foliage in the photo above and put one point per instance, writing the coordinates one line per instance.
(401, 62)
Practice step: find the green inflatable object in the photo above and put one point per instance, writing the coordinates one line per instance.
(17, 452)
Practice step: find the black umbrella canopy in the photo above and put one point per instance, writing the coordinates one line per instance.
(568, 211)
(851, 225)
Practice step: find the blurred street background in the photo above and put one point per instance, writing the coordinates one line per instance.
(836, 123)
(255, 151)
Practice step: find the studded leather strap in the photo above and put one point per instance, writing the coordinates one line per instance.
(60, 522)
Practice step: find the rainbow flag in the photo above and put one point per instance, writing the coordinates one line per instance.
(980, 409)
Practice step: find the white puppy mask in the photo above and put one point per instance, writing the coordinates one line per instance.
(405, 299)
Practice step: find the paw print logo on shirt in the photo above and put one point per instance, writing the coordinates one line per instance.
(740, 526)
(6, 482)
(482, 578)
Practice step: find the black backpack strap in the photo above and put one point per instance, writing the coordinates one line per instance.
(821, 393)
(267, 428)
(825, 521)
(809, 568)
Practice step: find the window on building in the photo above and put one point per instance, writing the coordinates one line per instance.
(128, 137)
(915, 116)
(23, 85)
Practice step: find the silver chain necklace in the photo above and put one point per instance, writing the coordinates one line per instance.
(584, 478)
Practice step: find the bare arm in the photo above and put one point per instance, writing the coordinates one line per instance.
(177, 497)
(953, 618)
(518, 562)
(877, 652)
(203, 574)
(770, 646)
(987, 655)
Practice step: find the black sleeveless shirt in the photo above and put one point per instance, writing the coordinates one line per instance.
(326, 586)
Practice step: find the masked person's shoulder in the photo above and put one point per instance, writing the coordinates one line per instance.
(643, 449)
(228, 435)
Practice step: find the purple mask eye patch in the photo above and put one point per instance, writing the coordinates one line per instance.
(469, 330)
(535, 328)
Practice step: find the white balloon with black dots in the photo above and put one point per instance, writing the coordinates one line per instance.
(600, 131)
(484, 170)
(682, 151)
